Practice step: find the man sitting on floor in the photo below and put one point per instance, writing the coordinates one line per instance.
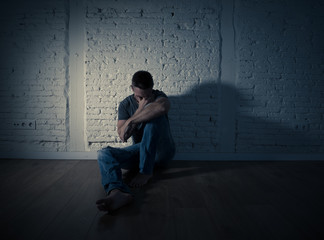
(142, 116)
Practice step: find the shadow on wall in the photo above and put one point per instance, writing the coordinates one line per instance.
(195, 124)
(194, 119)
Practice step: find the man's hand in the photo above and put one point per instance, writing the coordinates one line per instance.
(129, 129)
(143, 102)
(126, 131)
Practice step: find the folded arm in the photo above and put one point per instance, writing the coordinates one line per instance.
(146, 111)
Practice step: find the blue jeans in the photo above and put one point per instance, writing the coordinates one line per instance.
(156, 148)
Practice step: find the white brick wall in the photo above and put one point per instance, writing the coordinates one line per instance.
(280, 83)
(177, 42)
(278, 70)
(33, 75)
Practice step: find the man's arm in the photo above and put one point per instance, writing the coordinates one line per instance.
(146, 111)
(120, 124)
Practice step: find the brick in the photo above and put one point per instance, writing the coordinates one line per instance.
(279, 71)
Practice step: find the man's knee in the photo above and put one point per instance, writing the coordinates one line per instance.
(103, 154)
(156, 123)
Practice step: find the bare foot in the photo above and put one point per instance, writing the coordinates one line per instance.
(140, 180)
(115, 200)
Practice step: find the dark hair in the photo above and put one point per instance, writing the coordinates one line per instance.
(142, 80)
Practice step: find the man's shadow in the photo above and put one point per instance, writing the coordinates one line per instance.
(194, 119)
(196, 126)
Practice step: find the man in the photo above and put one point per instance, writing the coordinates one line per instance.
(142, 116)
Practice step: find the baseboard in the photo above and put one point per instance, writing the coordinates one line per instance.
(249, 156)
(179, 156)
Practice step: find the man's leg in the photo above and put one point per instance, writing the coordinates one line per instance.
(156, 146)
(110, 161)
(166, 147)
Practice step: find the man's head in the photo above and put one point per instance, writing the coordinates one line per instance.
(142, 80)
(142, 85)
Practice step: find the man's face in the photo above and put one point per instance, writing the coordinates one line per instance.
(140, 94)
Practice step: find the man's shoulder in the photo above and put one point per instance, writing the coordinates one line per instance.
(127, 100)
(158, 93)
(127, 104)
(126, 108)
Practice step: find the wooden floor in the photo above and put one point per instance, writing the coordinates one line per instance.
(49, 199)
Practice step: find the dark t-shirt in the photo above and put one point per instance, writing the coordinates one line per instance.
(128, 107)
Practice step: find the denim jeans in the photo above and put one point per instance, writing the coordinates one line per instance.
(156, 149)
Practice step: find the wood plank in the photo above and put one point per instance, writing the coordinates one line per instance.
(194, 223)
(34, 218)
(220, 200)
(26, 181)
(75, 218)
(148, 217)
